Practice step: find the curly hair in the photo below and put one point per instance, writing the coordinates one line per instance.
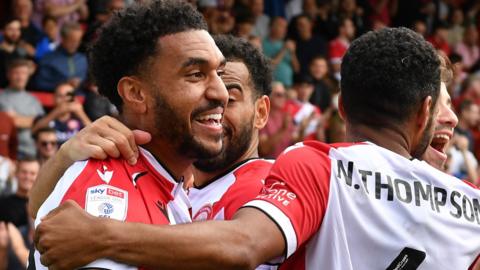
(385, 76)
(237, 49)
(130, 39)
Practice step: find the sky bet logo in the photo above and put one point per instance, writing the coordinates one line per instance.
(97, 191)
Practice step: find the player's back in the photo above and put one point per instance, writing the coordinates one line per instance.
(112, 188)
(364, 207)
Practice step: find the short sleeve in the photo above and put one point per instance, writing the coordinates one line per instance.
(295, 196)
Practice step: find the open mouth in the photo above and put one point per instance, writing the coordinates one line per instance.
(439, 142)
(214, 119)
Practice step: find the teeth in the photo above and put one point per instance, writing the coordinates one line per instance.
(215, 117)
(442, 136)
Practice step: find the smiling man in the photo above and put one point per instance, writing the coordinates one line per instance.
(164, 80)
(325, 206)
(225, 182)
(446, 121)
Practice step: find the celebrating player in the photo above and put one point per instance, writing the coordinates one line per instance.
(165, 80)
(363, 205)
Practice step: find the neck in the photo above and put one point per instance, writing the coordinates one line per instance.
(176, 164)
(203, 178)
(394, 140)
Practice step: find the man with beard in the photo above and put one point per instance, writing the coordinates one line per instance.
(446, 120)
(166, 82)
(221, 184)
(224, 183)
(324, 206)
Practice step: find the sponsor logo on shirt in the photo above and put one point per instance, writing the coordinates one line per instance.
(277, 191)
(107, 202)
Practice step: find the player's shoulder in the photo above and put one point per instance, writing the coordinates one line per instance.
(253, 166)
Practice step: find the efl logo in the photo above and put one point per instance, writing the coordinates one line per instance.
(278, 192)
(115, 193)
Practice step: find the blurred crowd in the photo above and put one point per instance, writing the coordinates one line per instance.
(46, 95)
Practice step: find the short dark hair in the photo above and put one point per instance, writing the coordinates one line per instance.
(130, 38)
(237, 49)
(27, 159)
(18, 62)
(43, 130)
(386, 74)
(69, 27)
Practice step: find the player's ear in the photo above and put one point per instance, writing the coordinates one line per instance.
(133, 94)
(424, 113)
(262, 110)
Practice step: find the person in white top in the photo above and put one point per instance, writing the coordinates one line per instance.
(366, 204)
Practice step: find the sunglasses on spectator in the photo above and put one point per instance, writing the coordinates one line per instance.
(46, 143)
(68, 94)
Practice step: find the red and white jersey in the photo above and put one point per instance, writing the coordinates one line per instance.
(144, 193)
(221, 198)
(361, 206)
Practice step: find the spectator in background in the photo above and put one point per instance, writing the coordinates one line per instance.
(462, 163)
(68, 116)
(12, 47)
(305, 115)
(308, 44)
(262, 21)
(96, 105)
(382, 11)
(338, 46)
(14, 208)
(468, 118)
(470, 91)
(468, 49)
(323, 84)
(279, 130)
(459, 75)
(13, 251)
(102, 16)
(46, 142)
(256, 42)
(22, 9)
(420, 27)
(350, 9)
(65, 11)
(244, 25)
(456, 30)
(282, 53)
(439, 38)
(65, 63)
(20, 105)
(50, 41)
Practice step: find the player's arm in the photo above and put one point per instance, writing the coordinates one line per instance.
(238, 244)
(103, 138)
(265, 229)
